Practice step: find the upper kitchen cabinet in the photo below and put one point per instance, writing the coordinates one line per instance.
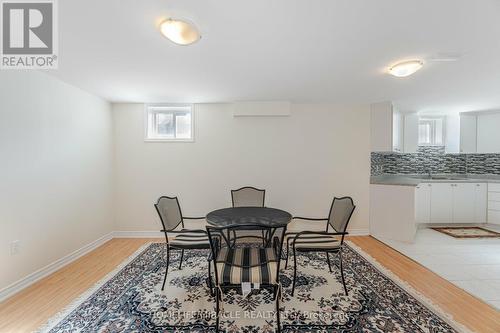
(397, 131)
(468, 133)
(391, 130)
(386, 128)
(479, 132)
(410, 133)
(452, 134)
(488, 133)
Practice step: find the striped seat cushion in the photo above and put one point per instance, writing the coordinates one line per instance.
(290, 235)
(192, 240)
(310, 242)
(262, 261)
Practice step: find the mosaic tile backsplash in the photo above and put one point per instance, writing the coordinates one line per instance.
(434, 160)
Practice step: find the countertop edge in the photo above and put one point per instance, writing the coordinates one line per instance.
(399, 180)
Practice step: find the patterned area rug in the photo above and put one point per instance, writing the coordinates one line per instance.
(130, 300)
(467, 232)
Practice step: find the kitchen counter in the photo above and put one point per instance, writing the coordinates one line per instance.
(398, 205)
(414, 180)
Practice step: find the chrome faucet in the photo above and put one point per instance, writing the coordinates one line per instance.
(429, 173)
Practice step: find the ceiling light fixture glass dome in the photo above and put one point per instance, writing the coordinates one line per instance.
(406, 68)
(180, 32)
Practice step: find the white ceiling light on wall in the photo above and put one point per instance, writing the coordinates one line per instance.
(180, 32)
(406, 68)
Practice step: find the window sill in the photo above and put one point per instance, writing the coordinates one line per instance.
(170, 140)
(430, 145)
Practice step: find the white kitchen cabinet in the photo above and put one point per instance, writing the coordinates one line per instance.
(446, 203)
(494, 203)
(397, 131)
(468, 133)
(488, 135)
(494, 187)
(392, 130)
(392, 212)
(452, 134)
(464, 202)
(423, 203)
(442, 203)
(381, 126)
(387, 127)
(494, 216)
(492, 195)
(481, 203)
(479, 132)
(410, 133)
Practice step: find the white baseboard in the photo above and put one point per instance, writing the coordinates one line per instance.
(51, 268)
(138, 234)
(358, 232)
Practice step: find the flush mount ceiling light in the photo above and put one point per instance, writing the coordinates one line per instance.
(179, 31)
(406, 68)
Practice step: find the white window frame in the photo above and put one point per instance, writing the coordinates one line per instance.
(433, 132)
(148, 108)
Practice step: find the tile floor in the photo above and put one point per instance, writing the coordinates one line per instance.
(471, 264)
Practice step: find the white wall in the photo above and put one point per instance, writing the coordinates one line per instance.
(55, 171)
(302, 161)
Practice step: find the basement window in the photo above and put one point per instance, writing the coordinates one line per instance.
(169, 123)
(431, 131)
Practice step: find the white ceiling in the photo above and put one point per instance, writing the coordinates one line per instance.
(297, 50)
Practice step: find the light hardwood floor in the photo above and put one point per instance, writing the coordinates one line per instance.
(30, 308)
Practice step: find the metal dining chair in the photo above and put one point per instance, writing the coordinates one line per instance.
(255, 265)
(171, 218)
(323, 241)
(248, 196)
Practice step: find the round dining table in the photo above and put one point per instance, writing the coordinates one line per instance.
(234, 216)
(246, 217)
